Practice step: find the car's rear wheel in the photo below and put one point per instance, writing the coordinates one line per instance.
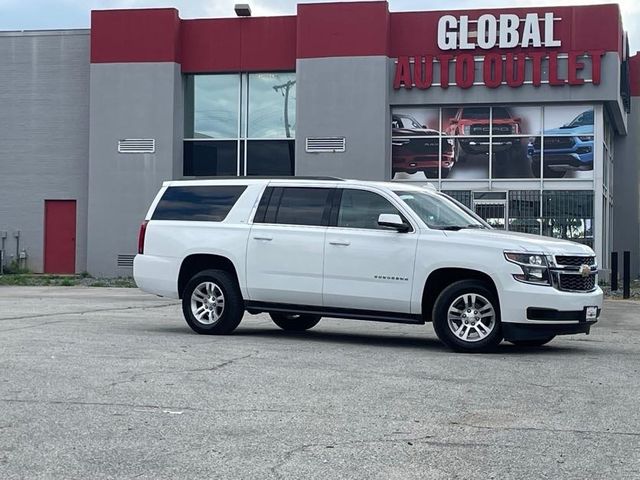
(532, 343)
(212, 303)
(466, 317)
(295, 322)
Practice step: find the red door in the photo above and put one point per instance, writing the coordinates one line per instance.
(60, 236)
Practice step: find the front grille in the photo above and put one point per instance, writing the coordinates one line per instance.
(479, 129)
(574, 261)
(558, 142)
(576, 283)
(501, 129)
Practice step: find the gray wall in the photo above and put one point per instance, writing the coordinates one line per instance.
(132, 100)
(44, 134)
(344, 97)
(626, 187)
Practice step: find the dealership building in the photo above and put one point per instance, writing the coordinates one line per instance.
(529, 116)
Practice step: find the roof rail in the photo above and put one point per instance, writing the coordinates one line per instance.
(262, 177)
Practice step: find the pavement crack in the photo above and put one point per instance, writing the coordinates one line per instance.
(84, 312)
(91, 404)
(550, 430)
(288, 454)
(218, 366)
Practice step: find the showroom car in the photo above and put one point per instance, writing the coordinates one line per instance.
(413, 151)
(567, 148)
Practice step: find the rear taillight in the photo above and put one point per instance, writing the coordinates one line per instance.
(141, 234)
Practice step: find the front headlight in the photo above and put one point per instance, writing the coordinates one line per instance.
(535, 267)
(466, 129)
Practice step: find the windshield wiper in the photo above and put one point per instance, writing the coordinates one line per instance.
(455, 228)
(449, 227)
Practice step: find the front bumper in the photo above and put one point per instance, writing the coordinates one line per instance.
(403, 163)
(520, 331)
(534, 311)
(565, 161)
(481, 145)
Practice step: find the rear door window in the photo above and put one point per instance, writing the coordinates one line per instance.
(202, 203)
(295, 206)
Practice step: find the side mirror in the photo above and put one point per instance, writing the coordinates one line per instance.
(393, 220)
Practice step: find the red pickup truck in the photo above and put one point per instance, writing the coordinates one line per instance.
(415, 147)
(470, 124)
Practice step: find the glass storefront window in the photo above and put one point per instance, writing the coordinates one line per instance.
(214, 111)
(272, 105)
(238, 120)
(210, 158)
(519, 142)
(270, 157)
(524, 211)
(568, 214)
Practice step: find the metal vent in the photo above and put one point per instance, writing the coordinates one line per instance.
(137, 145)
(325, 144)
(125, 261)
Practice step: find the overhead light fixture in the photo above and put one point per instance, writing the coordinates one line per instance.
(242, 9)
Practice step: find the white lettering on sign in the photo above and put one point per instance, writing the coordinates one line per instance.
(503, 32)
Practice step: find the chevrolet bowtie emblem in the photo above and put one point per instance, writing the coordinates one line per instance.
(585, 270)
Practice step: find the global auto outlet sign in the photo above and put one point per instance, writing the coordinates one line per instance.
(534, 36)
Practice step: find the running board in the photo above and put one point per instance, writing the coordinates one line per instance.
(349, 313)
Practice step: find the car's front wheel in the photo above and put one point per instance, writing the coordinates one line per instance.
(212, 303)
(294, 322)
(466, 317)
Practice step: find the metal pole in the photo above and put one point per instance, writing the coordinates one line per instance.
(287, 87)
(626, 274)
(614, 271)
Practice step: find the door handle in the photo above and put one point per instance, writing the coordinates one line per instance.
(344, 243)
(266, 239)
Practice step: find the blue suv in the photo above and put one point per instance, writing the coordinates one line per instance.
(569, 147)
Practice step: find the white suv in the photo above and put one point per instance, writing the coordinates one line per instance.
(305, 248)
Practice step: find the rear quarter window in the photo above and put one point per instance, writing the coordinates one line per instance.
(198, 203)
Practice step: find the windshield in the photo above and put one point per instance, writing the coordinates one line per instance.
(408, 122)
(500, 113)
(585, 118)
(438, 211)
(475, 113)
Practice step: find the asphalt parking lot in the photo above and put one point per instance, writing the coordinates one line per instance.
(111, 383)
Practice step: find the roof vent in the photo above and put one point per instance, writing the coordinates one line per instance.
(125, 261)
(325, 144)
(137, 145)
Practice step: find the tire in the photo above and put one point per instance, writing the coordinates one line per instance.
(293, 322)
(548, 173)
(532, 343)
(450, 325)
(446, 172)
(219, 317)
